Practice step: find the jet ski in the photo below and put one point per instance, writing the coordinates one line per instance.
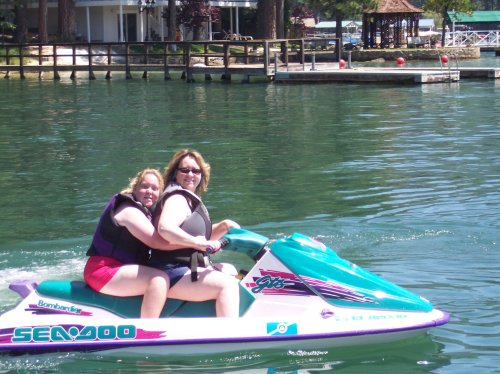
(299, 294)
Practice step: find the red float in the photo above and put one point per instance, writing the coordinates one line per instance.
(444, 59)
(400, 61)
(341, 63)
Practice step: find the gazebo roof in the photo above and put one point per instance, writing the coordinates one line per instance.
(395, 6)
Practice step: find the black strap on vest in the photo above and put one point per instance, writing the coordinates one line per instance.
(197, 259)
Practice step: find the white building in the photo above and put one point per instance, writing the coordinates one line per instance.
(121, 20)
(347, 26)
(426, 24)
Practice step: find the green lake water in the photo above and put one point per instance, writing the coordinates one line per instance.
(403, 180)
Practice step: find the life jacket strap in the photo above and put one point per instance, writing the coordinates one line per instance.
(197, 259)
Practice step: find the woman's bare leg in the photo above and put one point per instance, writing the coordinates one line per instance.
(134, 280)
(211, 285)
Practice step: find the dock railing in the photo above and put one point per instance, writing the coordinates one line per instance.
(249, 58)
(476, 38)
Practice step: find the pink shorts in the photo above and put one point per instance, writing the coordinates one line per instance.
(99, 270)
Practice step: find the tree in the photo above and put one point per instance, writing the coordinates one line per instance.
(299, 13)
(170, 15)
(21, 28)
(444, 6)
(42, 22)
(342, 9)
(172, 20)
(195, 14)
(280, 19)
(6, 23)
(266, 19)
(66, 20)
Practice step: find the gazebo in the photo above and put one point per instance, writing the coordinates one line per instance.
(392, 21)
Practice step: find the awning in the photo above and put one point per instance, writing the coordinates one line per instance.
(475, 17)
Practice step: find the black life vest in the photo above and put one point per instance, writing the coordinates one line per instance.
(197, 224)
(115, 241)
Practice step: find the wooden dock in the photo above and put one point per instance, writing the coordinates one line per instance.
(282, 61)
(225, 57)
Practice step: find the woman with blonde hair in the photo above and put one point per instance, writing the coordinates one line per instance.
(182, 219)
(120, 247)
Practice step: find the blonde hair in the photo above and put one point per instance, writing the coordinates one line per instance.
(139, 177)
(170, 171)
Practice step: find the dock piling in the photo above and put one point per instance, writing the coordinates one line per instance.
(224, 57)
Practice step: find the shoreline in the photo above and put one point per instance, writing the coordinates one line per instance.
(208, 65)
(412, 53)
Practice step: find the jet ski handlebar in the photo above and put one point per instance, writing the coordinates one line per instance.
(244, 241)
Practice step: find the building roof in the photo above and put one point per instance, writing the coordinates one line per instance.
(476, 17)
(395, 6)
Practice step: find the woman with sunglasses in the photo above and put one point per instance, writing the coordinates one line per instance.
(120, 247)
(182, 219)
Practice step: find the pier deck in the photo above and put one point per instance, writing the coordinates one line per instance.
(284, 61)
(389, 75)
(332, 73)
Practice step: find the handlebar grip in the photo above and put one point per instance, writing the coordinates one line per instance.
(223, 242)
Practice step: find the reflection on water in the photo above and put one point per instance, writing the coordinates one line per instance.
(418, 355)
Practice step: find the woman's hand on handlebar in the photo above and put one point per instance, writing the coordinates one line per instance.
(213, 246)
(209, 246)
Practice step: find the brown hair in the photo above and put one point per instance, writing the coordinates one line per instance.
(170, 170)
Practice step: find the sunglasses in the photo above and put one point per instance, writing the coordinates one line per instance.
(188, 170)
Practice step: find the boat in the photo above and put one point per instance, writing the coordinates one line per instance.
(299, 294)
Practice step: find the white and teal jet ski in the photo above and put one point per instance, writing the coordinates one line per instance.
(298, 295)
